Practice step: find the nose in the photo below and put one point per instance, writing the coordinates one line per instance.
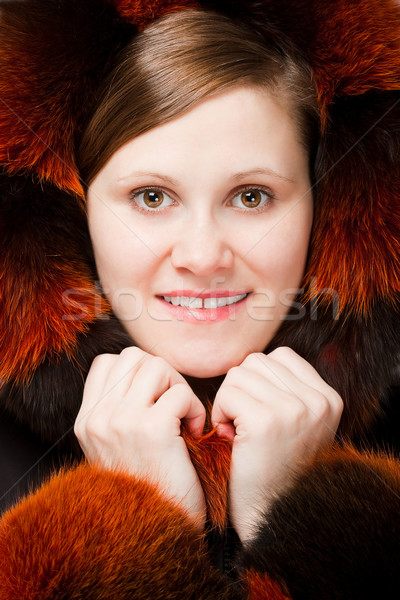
(202, 249)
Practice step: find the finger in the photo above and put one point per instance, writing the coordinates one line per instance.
(106, 380)
(181, 402)
(275, 387)
(230, 405)
(260, 382)
(303, 370)
(123, 372)
(154, 377)
(110, 375)
(289, 372)
(95, 384)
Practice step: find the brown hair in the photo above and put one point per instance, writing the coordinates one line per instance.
(178, 61)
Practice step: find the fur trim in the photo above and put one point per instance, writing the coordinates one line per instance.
(50, 401)
(332, 535)
(356, 355)
(53, 55)
(87, 534)
(262, 587)
(47, 294)
(355, 247)
(142, 12)
(211, 457)
(352, 45)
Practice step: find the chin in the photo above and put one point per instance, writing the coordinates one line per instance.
(201, 372)
(204, 369)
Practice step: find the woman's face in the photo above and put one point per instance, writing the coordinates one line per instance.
(200, 229)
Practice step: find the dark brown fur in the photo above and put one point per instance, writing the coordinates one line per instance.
(336, 533)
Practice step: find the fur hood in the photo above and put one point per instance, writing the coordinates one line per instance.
(53, 320)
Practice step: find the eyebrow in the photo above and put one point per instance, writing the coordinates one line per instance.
(236, 177)
(146, 174)
(262, 171)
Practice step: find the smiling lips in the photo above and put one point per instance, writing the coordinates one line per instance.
(196, 302)
(202, 307)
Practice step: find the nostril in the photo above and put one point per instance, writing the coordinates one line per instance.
(202, 256)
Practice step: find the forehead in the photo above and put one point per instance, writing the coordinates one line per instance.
(238, 129)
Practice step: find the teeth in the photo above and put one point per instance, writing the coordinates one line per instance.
(198, 302)
(190, 302)
(217, 302)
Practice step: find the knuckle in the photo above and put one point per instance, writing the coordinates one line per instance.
(282, 352)
(232, 376)
(78, 430)
(225, 391)
(301, 412)
(322, 408)
(90, 429)
(183, 390)
(94, 428)
(132, 352)
(253, 359)
(159, 368)
(159, 363)
(101, 360)
(337, 402)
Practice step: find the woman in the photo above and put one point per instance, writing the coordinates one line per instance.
(205, 200)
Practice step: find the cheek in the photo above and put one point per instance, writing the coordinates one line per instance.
(124, 261)
(281, 255)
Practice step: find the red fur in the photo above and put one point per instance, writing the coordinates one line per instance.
(47, 296)
(142, 12)
(54, 332)
(356, 46)
(53, 55)
(356, 242)
(261, 587)
(211, 457)
(91, 533)
(30, 92)
(355, 249)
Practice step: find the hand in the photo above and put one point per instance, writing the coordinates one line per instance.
(278, 412)
(130, 419)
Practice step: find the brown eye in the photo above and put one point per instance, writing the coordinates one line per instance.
(251, 198)
(153, 198)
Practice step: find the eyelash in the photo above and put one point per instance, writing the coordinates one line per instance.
(146, 211)
(257, 209)
(259, 188)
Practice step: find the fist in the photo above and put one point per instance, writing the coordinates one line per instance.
(278, 412)
(130, 418)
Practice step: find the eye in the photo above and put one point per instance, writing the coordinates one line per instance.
(252, 198)
(151, 198)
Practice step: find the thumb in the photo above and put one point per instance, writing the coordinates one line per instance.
(187, 406)
(222, 422)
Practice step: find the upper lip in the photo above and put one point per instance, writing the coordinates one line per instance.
(204, 293)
